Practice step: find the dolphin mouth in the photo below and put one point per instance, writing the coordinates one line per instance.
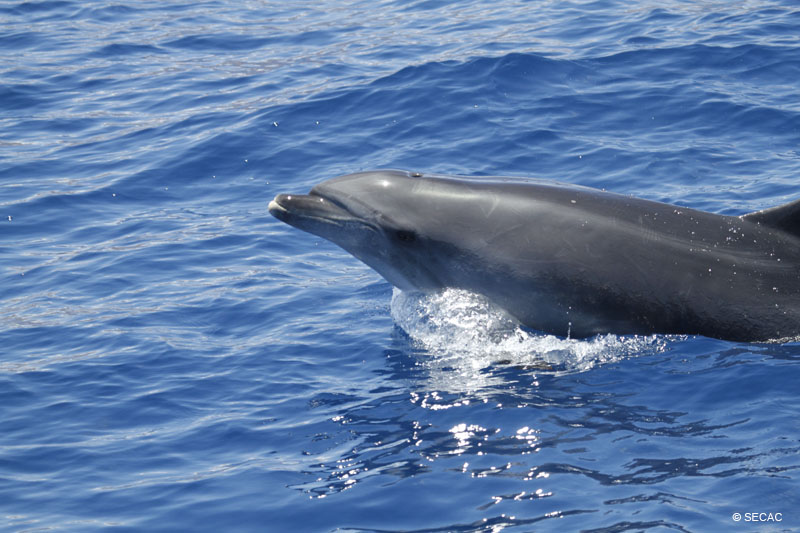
(288, 206)
(318, 214)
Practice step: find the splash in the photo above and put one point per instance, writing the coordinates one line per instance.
(466, 331)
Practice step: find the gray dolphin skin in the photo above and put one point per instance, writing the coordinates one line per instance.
(565, 259)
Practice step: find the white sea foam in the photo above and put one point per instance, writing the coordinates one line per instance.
(467, 333)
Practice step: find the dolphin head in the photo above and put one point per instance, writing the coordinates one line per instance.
(416, 231)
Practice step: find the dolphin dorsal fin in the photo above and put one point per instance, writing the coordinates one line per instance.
(784, 217)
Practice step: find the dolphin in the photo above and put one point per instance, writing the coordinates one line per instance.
(566, 259)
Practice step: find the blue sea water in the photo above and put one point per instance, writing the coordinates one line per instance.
(172, 358)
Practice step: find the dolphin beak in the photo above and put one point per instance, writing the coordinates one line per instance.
(301, 209)
(276, 207)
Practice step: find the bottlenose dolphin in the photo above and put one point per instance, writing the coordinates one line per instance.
(566, 259)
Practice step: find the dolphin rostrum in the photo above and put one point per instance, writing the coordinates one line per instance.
(566, 259)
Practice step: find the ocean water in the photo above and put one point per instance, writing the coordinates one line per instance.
(172, 358)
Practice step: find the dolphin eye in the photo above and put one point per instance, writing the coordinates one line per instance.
(405, 235)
